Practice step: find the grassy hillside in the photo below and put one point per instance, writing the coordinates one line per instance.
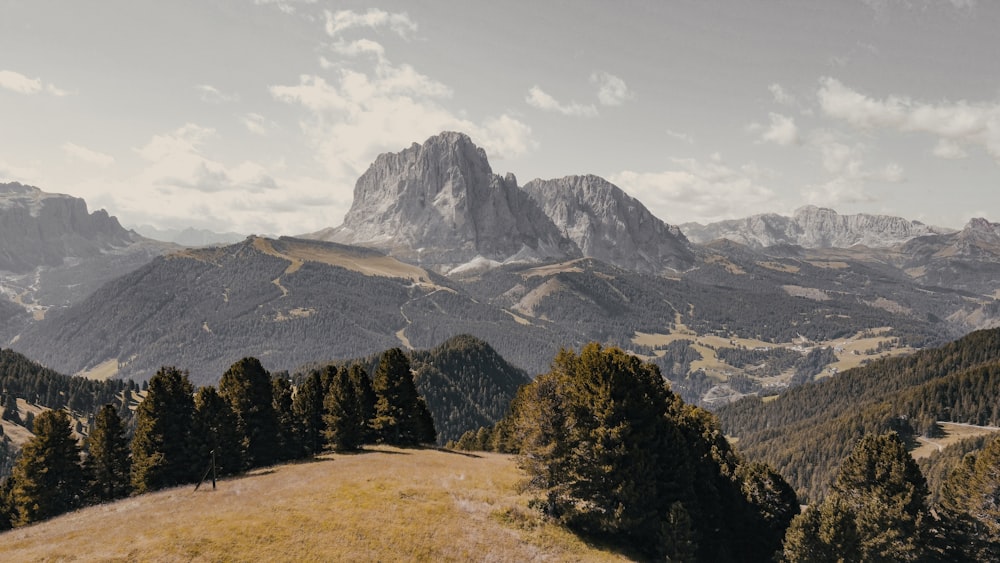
(382, 505)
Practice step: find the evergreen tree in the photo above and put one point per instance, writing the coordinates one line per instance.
(876, 512)
(366, 396)
(108, 461)
(401, 416)
(344, 419)
(8, 510)
(214, 429)
(161, 447)
(247, 387)
(10, 409)
(971, 500)
(49, 478)
(307, 406)
(288, 441)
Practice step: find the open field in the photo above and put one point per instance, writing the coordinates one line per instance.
(953, 433)
(382, 505)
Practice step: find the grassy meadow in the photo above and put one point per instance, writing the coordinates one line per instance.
(384, 504)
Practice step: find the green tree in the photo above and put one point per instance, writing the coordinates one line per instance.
(161, 447)
(8, 510)
(108, 461)
(366, 396)
(345, 427)
(288, 434)
(10, 409)
(214, 429)
(48, 478)
(401, 415)
(876, 511)
(247, 387)
(971, 500)
(307, 406)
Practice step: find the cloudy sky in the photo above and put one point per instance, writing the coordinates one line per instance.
(258, 115)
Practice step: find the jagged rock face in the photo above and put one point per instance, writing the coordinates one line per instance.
(611, 226)
(439, 203)
(42, 229)
(813, 227)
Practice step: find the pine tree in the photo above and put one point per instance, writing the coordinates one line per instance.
(876, 511)
(401, 416)
(971, 500)
(366, 396)
(214, 429)
(344, 419)
(247, 387)
(161, 448)
(49, 478)
(307, 406)
(8, 510)
(288, 432)
(10, 409)
(108, 461)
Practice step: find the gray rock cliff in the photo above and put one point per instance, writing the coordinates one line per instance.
(813, 227)
(440, 204)
(611, 226)
(43, 229)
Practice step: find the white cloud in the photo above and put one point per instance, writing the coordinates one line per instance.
(286, 6)
(83, 154)
(17, 82)
(359, 47)
(18, 172)
(257, 124)
(538, 98)
(184, 140)
(612, 90)
(960, 121)
(213, 95)
(360, 114)
(948, 149)
(684, 137)
(781, 95)
(782, 131)
(342, 20)
(699, 191)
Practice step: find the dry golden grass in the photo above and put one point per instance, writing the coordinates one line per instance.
(382, 505)
(953, 433)
(102, 371)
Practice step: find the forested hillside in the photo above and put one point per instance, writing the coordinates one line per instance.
(805, 432)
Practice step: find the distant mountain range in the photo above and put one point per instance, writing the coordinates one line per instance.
(437, 245)
(812, 227)
(189, 236)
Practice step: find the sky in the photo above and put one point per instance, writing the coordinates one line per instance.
(258, 116)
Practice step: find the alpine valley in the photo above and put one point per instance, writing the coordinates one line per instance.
(437, 245)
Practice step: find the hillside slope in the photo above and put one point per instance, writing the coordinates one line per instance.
(381, 505)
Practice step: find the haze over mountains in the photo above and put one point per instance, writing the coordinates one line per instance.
(437, 245)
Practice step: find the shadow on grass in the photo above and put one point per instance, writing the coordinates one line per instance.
(453, 452)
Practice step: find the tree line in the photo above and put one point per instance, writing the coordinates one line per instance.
(253, 419)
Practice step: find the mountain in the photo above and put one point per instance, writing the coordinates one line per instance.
(189, 236)
(285, 301)
(43, 229)
(440, 205)
(968, 259)
(812, 227)
(609, 225)
(53, 252)
(808, 430)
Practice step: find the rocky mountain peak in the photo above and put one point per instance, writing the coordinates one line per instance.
(813, 227)
(439, 203)
(608, 224)
(43, 229)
